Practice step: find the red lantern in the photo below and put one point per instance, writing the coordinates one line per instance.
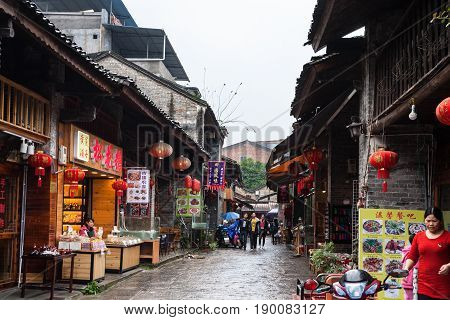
(40, 161)
(188, 182)
(181, 163)
(120, 186)
(383, 161)
(309, 181)
(160, 150)
(196, 186)
(301, 187)
(313, 156)
(74, 176)
(443, 112)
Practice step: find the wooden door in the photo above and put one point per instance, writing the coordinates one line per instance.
(10, 223)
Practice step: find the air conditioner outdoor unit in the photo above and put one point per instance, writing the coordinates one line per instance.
(352, 166)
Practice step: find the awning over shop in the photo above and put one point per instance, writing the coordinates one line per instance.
(261, 207)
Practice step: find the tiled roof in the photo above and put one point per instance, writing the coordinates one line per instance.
(37, 16)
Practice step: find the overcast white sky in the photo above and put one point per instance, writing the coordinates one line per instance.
(256, 42)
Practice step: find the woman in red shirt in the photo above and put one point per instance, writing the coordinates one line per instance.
(431, 249)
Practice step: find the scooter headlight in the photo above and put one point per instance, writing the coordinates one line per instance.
(338, 290)
(372, 289)
(355, 290)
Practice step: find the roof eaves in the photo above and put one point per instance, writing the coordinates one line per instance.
(96, 67)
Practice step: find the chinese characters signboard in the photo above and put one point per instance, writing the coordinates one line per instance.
(383, 234)
(189, 203)
(81, 148)
(95, 153)
(216, 175)
(138, 186)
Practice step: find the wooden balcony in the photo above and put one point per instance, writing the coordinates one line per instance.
(418, 51)
(23, 111)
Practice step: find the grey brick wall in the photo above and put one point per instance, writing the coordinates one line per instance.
(407, 183)
(181, 108)
(166, 204)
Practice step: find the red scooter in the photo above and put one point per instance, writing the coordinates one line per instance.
(353, 285)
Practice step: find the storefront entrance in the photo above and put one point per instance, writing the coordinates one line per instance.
(9, 222)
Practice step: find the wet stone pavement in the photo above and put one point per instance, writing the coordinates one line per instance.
(269, 273)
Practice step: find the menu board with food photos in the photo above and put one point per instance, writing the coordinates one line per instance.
(446, 220)
(138, 186)
(189, 203)
(383, 234)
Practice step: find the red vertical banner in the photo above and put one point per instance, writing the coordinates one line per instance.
(2, 202)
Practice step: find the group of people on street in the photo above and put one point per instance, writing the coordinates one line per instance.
(257, 230)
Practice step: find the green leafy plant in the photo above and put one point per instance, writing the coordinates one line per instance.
(213, 245)
(92, 288)
(325, 260)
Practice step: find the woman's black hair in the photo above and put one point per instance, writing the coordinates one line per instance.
(411, 238)
(437, 213)
(88, 219)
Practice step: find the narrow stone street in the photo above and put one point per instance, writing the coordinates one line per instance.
(269, 273)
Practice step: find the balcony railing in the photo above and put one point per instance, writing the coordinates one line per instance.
(417, 49)
(22, 109)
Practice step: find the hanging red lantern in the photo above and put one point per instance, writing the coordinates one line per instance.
(313, 157)
(383, 161)
(196, 185)
(73, 176)
(160, 150)
(40, 161)
(309, 181)
(120, 186)
(443, 112)
(188, 182)
(301, 187)
(181, 163)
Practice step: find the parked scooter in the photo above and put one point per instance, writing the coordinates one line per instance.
(226, 235)
(353, 285)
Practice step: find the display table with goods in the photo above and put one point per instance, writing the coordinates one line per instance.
(124, 253)
(52, 257)
(90, 261)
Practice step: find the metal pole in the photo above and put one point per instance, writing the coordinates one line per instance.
(22, 220)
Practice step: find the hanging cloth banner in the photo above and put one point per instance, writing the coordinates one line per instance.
(216, 175)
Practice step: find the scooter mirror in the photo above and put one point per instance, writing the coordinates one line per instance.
(399, 273)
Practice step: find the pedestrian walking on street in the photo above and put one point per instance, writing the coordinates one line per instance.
(274, 230)
(253, 231)
(244, 227)
(263, 227)
(431, 248)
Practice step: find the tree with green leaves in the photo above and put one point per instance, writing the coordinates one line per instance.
(253, 174)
